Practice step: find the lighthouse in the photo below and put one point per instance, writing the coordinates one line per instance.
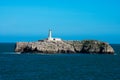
(50, 35)
(50, 38)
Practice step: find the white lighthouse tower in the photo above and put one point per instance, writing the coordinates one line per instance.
(50, 38)
(50, 35)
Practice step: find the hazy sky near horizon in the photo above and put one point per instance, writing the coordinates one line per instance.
(30, 20)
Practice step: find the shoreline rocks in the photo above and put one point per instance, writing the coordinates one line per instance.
(52, 47)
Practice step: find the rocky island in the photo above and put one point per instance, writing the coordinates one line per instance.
(56, 45)
(85, 46)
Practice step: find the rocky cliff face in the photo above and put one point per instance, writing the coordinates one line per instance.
(85, 46)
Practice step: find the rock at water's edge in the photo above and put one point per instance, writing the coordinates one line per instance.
(85, 46)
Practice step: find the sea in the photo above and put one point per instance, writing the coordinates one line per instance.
(40, 66)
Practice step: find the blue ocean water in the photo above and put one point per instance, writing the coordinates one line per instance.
(58, 66)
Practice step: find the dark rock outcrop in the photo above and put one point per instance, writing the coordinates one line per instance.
(85, 46)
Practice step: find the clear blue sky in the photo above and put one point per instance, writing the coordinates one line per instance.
(30, 20)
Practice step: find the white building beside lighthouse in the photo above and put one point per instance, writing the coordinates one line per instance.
(50, 38)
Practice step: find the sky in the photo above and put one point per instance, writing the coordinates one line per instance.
(30, 20)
